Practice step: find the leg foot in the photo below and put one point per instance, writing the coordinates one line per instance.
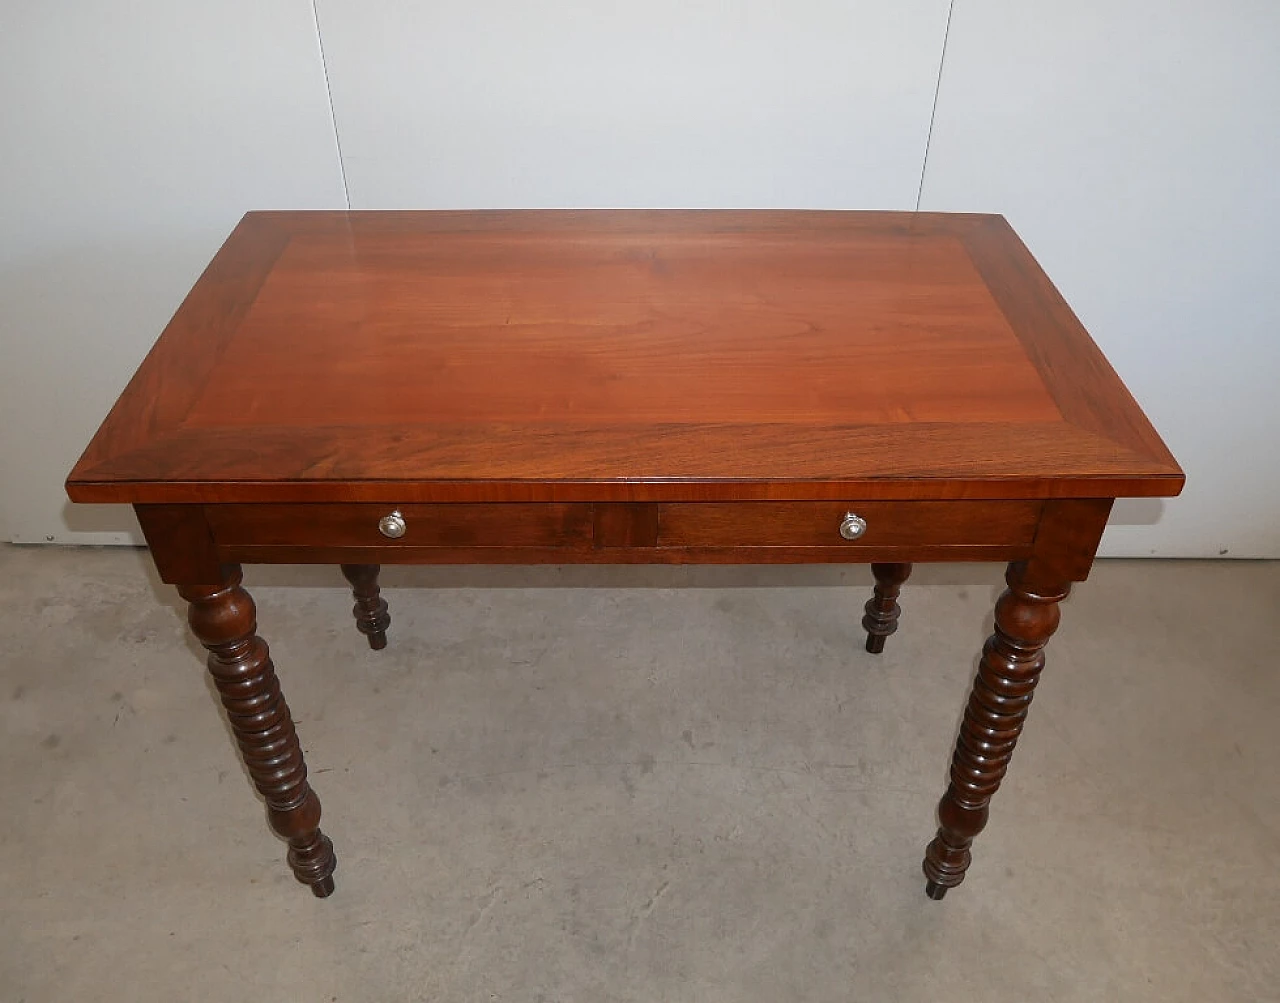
(1026, 616)
(882, 608)
(370, 610)
(224, 618)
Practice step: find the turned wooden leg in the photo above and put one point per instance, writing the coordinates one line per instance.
(370, 610)
(224, 618)
(882, 608)
(1026, 617)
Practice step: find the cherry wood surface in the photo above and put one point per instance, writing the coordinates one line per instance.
(619, 387)
(494, 525)
(622, 356)
(697, 524)
(817, 524)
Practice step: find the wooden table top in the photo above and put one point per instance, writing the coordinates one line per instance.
(622, 356)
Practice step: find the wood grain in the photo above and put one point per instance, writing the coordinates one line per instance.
(817, 524)
(1085, 388)
(181, 543)
(581, 463)
(622, 356)
(622, 328)
(502, 525)
(625, 525)
(1011, 525)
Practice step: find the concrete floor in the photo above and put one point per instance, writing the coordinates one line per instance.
(640, 784)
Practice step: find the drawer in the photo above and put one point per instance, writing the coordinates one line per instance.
(357, 525)
(817, 524)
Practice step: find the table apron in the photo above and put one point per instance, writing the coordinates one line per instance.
(746, 532)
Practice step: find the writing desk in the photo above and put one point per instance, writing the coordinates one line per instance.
(675, 387)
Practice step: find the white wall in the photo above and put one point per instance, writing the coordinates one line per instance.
(1130, 143)
(132, 137)
(662, 103)
(1134, 146)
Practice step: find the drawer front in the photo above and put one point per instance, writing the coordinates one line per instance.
(818, 524)
(357, 525)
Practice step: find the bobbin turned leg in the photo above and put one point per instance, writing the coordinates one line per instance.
(370, 610)
(1012, 659)
(224, 618)
(882, 608)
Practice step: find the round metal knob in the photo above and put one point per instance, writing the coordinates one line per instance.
(393, 526)
(853, 526)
